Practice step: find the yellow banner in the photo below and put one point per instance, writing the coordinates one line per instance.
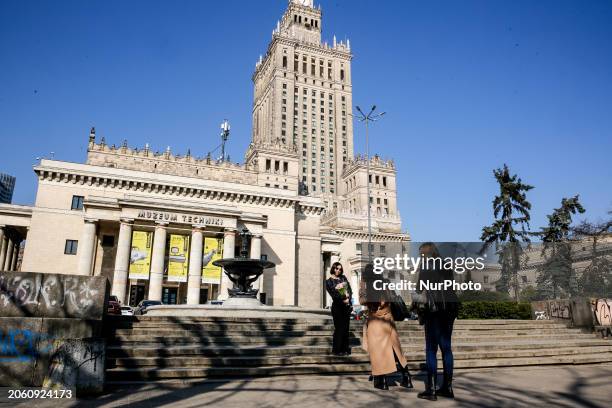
(213, 250)
(140, 256)
(178, 258)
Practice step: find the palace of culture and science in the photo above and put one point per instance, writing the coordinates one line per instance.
(152, 221)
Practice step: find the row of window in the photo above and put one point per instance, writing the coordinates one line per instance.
(378, 210)
(378, 179)
(277, 165)
(352, 182)
(313, 67)
(276, 186)
(308, 23)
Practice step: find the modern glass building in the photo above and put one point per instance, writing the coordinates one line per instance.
(7, 185)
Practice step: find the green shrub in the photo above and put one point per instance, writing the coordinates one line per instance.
(495, 310)
(483, 296)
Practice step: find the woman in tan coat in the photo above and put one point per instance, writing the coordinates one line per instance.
(380, 337)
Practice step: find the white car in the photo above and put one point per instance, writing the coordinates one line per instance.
(127, 311)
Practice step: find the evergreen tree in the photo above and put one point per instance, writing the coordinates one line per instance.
(510, 228)
(596, 279)
(556, 275)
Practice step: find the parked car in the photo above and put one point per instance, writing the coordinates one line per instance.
(114, 306)
(358, 312)
(127, 311)
(144, 304)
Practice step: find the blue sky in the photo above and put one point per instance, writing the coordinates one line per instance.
(467, 86)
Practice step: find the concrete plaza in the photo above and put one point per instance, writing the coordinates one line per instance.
(558, 386)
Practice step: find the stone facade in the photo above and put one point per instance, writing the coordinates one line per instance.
(85, 213)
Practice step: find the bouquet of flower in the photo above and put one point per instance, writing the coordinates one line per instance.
(341, 288)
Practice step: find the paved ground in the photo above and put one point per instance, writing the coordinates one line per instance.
(559, 386)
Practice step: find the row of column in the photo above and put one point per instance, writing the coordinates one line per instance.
(9, 251)
(194, 277)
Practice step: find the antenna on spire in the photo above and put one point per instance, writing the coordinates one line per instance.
(225, 131)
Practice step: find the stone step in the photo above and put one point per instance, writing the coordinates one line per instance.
(358, 356)
(329, 329)
(227, 319)
(127, 374)
(460, 324)
(117, 351)
(317, 338)
(234, 341)
(324, 332)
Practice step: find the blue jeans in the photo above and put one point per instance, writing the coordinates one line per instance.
(438, 333)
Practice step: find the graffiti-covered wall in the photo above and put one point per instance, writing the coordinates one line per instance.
(26, 294)
(602, 313)
(40, 315)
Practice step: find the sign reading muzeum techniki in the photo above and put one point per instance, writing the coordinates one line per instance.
(181, 218)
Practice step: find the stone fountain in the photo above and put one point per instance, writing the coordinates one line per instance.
(242, 301)
(243, 271)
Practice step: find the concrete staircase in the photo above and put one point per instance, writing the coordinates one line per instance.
(154, 348)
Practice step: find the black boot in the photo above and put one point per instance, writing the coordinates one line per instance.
(406, 377)
(446, 390)
(380, 382)
(430, 389)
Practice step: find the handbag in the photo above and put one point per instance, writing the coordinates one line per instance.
(399, 310)
(423, 303)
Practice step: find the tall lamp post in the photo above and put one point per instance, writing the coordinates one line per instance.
(370, 117)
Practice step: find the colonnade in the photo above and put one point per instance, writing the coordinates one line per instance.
(9, 250)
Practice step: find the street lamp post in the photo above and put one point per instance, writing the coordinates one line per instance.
(370, 117)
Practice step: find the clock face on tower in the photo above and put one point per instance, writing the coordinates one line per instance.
(307, 3)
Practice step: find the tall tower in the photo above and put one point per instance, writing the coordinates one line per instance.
(303, 100)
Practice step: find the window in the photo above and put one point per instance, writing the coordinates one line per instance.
(284, 61)
(77, 202)
(70, 248)
(485, 279)
(524, 278)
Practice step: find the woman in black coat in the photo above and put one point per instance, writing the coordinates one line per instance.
(438, 315)
(340, 290)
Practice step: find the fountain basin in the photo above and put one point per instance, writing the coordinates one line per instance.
(229, 311)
